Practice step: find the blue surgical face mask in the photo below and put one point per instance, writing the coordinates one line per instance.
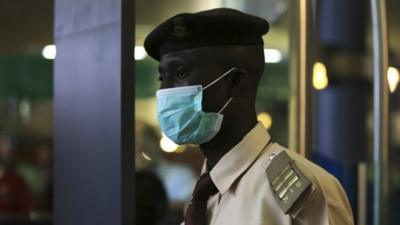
(181, 117)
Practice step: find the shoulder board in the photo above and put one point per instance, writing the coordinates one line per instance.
(287, 181)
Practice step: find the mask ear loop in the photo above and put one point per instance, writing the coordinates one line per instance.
(226, 104)
(219, 78)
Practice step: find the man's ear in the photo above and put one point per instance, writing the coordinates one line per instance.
(237, 81)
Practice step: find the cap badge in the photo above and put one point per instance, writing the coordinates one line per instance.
(180, 29)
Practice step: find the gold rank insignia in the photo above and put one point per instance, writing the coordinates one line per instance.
(287, 181)
(180, 29)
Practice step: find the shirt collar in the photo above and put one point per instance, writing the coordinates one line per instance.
(239, 158)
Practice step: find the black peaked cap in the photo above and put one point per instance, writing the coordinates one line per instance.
(216, 27)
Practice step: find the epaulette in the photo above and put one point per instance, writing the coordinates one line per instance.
(287, 181)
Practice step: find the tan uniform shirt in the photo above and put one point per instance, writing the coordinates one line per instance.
(245, 196)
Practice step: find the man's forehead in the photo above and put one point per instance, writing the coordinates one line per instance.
(188, 55)
(174, 58)
(189, 52)
(208, 53)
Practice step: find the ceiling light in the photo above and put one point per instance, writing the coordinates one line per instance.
(266, 119)
(393, 78)
(167, 145)
(140, 53)
(49, 52)
(272, 55)
(320, 77)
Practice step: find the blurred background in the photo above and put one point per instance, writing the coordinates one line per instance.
(340, 105)
(26, 123)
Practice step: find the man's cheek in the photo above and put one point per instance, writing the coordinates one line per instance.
(211, 102)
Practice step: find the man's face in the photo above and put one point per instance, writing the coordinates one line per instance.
(196, 67)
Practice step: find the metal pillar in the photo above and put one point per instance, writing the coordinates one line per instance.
(381, 109)
(300, 73)
(93, 111)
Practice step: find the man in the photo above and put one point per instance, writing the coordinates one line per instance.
(210, 65)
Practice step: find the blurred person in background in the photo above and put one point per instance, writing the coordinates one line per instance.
(151, 199)
(35, 165)
(15, 197)
(177, 178)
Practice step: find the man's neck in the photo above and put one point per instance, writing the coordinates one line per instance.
(229, 136)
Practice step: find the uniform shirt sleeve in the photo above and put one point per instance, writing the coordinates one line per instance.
(324, 205)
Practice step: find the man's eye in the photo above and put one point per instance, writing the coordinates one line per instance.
(181, 73)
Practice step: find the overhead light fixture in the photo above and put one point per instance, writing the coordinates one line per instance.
(49, 52)
(272, 55)
(393, 77)
(266, 119)
(167, 145)
(320, 76)
(140, 53)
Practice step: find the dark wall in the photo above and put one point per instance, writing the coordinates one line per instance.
(93, 100)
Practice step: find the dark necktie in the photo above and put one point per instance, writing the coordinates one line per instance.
(197, 209)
